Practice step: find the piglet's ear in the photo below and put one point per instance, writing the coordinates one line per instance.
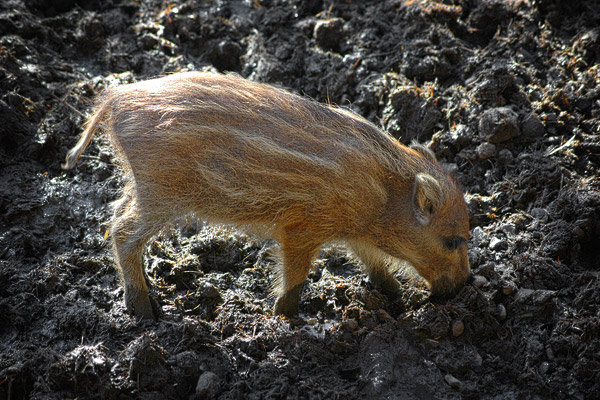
(427, 197)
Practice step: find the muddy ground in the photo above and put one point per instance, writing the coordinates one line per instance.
(506, 91)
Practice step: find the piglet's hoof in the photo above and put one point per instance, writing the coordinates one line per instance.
(141, 306)
(287, 304)
(387, 284)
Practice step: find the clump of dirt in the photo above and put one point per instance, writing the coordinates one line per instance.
(505, 92)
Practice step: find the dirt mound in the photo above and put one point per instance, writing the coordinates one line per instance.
(506, 92)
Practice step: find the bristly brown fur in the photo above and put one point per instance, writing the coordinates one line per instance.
(252, 155)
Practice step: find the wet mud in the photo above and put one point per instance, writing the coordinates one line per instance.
(506, 92)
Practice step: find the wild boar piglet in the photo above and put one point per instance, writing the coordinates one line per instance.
(250, 155)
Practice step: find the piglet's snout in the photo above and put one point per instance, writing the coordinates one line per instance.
(446, 287)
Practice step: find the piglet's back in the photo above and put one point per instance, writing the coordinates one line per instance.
(243, 151)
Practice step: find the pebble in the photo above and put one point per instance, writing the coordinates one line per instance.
(532, 126)
(458, 328)
(476, 360)
(226, 55)
(452, 381)
(207, 290)
(505, 155)
(533, 296)
(539, 214)
(479, 235)
(488, 270)
(501, 310)
(208, 386)
(508, 288)
(509, 229)
(461, 135)
(311, 321)
(579, 233)
(486, 150)
(329, 33)
(479, 281)
(497, 244)
(499, 125)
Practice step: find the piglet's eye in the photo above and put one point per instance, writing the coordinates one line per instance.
(454, 242)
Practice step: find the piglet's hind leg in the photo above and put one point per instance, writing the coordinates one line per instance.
(130, 232)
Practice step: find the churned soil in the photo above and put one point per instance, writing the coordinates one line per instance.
(506, 92)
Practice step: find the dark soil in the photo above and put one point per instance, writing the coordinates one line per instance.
(508, 92)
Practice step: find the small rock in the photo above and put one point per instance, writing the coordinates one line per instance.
(540, 214)
(461, 135)
(509, 229)
(488, 270)
(532, 126)
(208, 386)
(329, 33)
(582, 103)
(452, 381)
(486, 150)
(226, 55)
(508, 288)
(544, 367)
(476, 360)
(501, 310)
(579, 233)
(532, 296)
(494, 82)
(311, 321)
(479, 281)
(458, 328)
(467, 154)
(551, 122)
(478, 234)
(497, 244)
(207, 290)
(498, 125)
(505, 155)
